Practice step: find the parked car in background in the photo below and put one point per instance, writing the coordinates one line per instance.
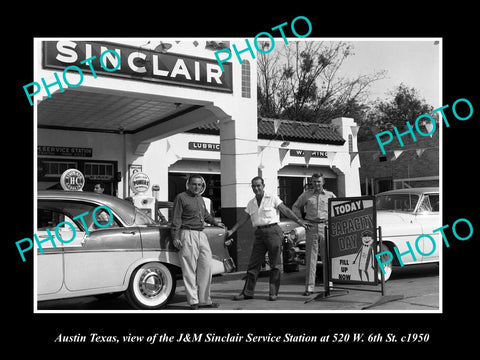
(289, 258)
(133, 255)
(403, 215)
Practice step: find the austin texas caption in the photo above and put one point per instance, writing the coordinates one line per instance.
(248, 338)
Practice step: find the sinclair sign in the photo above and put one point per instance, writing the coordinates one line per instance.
(137, 63)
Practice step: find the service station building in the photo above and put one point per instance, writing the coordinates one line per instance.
(164, 107)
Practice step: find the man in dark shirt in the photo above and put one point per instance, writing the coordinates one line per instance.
(189, 214)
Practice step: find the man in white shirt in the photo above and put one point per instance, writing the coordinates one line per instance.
(263, 211)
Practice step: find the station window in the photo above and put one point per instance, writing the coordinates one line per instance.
(245, 79)
(350, 143)
(56, 168)
(96, 170)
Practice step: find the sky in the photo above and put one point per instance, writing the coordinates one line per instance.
(415, 62)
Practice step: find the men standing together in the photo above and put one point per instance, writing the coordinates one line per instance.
(263, 210)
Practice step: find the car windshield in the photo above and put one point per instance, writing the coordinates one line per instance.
(397, 202)
(142, 219)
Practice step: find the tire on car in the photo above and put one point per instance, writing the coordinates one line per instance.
(388, 268)
(151, 286)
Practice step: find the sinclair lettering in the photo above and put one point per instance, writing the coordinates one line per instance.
(138, 63)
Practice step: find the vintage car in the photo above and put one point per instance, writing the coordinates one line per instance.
(289, 258)
(133, 255)
(403, 215)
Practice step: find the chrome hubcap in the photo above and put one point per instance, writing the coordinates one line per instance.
(151, 283)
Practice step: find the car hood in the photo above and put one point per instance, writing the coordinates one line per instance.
(287, 225)
(397, 223)
(392, 217)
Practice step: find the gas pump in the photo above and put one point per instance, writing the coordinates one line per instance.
(161, 214)
(139, 184)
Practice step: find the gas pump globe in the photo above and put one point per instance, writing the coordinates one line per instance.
(72, 180)
(139, 184)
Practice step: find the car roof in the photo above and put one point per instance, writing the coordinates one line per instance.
(418, 191)
(121, 207)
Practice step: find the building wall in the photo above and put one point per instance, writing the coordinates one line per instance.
(408, 164)
(176, 154)
(236, 108)
(108, 147)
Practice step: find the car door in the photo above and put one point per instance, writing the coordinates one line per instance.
(49, 259)
(428, 216)
(103, 258)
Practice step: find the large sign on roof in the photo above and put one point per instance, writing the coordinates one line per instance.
(137, 63)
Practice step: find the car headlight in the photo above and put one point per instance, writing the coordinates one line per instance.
(293, 235)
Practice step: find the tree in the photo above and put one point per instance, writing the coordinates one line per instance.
(302, 82)
(404, 105)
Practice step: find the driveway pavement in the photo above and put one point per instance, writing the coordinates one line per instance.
(417, 285)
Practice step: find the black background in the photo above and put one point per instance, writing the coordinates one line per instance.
(27, 331)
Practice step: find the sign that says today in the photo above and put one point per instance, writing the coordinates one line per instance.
(352, 240)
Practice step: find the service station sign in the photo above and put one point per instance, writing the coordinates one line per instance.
(138, 63)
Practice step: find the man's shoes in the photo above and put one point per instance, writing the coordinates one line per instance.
(307, 293)
(194, 307)
(242, 296)
(209, 306)
(272, 297)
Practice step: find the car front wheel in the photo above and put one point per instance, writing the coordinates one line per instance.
(387, 268)
(151, 286)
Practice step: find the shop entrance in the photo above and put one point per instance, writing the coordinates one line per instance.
(289, 189)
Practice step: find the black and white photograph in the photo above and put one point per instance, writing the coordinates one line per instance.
(298, 117)
(282, 185)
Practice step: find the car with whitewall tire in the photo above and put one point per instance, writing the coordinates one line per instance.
(404, 215)
(85, 252)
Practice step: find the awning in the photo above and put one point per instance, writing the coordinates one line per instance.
(147, 117)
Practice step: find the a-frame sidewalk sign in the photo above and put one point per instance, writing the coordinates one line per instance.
(352, 240)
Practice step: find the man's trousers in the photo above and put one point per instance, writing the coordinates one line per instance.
(196, 262)
(269, 240)
(314, 242)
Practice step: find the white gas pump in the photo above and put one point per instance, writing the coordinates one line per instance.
(139, 184)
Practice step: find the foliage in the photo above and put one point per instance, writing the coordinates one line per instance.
(302, 82)
(404, 105)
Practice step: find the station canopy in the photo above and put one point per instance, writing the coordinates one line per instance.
(147, 117)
